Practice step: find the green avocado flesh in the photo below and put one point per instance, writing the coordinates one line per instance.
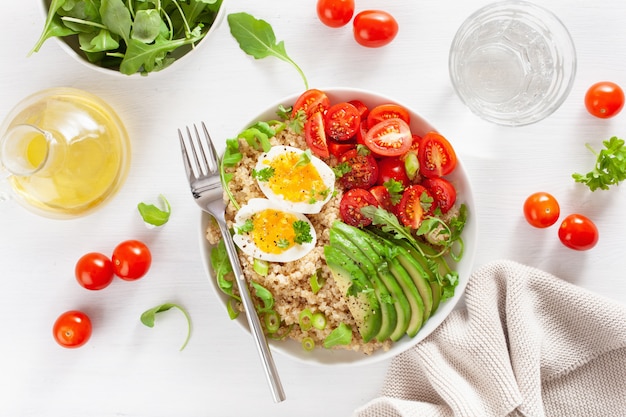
(389, 291)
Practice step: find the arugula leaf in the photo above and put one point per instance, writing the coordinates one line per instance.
(265, 295)
(610, 166)
(256, 38)
(153, 215)
(221, 265)
(148, 317)
(116, 16)
(342, 335)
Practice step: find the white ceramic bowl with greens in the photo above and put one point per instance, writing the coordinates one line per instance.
(320, 355)
(130, 37)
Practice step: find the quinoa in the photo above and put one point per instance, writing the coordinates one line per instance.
(289, 282)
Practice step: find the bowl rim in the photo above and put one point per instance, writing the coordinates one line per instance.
(344, 357)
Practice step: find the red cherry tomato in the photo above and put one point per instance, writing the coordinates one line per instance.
(382, 195)
(315, 135)
(131, 260)
(436, 156)
(541, 209)
(335, 13)
(443, 192)
(374, 28)
(578, 232)
(363, 171)
(361, 107)
(387, 111)
(604, 99)
(350, 206)
(416, 203)
(94, 271)
(392, 168)
(72, 329)
(339, 148)
(391, 137)
(342, 121)
(311, 101)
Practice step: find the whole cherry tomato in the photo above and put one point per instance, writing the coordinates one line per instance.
(392, 168)
(72, 329)
(94, 271)
(578, 232)
(131, 260)
(335, 13)
(374, 28)
(604, 99)
(541, 209)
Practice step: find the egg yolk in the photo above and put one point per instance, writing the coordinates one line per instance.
(296, 182)
(273, 230)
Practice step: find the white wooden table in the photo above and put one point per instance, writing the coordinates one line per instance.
(129, 370)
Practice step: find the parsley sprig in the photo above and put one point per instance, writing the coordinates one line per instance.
(610, 167)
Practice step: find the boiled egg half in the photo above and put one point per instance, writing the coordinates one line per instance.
(294, 178)
(265, 230)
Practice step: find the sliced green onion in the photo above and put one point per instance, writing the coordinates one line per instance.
(319, 321)
(316, 282)
(411, 164)
(233, 313)
(261, 267)
(280, 335)
(305, 320)
(272, 321)
(308, 344)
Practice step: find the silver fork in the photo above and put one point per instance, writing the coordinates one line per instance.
(206, 187)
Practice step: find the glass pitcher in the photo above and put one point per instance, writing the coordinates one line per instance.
(63, 152)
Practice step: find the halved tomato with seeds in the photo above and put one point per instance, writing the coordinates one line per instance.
(384, 112)
(350, 206)
(391, 137)
(416, 203)
(315, 135)
(436, 156)
(442, 191)
(311, 101)
(342, 121)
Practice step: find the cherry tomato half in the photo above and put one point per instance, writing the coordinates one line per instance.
(342, 120)
(131, 260)
(436, 156)
(578, 232)
(361, 107)
(315, 135)
(387, 111)
(604, 99)
(72, 329)
(339, 148)
(350, 206)
(416, 203)
(541, 209)
(443, 192)
(363, 171)
(391, 137)
(374, 28)
(382, 195)
(335, 13)
(94, 271)
(311, 101)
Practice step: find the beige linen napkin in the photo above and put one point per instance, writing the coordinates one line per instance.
(526, 344)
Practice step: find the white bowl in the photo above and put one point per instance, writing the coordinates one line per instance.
(71, 45)
(335, 357)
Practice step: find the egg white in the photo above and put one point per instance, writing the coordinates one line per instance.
(246, 243)
(325, 172)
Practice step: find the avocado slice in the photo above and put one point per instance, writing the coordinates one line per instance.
(376, 263)
(362, 302)
(352, 251)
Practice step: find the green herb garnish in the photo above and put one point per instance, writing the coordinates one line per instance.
(153, 215)
(264, 295)
(246, 227)
(303, 232)
(148, 317)
(305, 158)
(256, 38)
(263, 174)
(341, 169)
(282, 243)
(610, 167)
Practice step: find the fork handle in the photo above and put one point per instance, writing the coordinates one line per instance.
(253, 319)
